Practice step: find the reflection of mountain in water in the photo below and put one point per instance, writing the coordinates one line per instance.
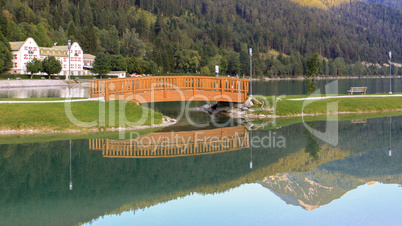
(298, 190)
(332, 180)
(35, 177)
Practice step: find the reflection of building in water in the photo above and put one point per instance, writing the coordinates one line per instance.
(174, 144)
(44, 92)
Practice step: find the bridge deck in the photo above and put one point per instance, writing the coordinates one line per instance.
(171, 88)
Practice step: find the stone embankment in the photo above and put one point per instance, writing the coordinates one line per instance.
(4, 84)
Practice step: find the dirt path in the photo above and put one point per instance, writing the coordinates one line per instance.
(53, 101)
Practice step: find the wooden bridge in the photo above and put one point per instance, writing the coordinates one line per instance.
(174, 144)
(171, 88)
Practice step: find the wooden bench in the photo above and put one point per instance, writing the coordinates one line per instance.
(361, 90)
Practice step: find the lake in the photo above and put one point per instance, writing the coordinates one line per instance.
(211, 175)
(209, 170)
(268, 88)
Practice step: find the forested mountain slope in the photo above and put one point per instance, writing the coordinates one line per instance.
(393, 3)
(191, 35)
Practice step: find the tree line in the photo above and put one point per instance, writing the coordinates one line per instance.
(189, 36)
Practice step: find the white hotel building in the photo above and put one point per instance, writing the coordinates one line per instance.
(24, 52)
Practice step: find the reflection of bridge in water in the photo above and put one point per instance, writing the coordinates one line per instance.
(175, 144)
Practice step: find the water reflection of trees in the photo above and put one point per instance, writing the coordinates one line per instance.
(312, 147)
(35, 177)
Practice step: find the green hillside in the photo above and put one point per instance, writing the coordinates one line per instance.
(190, 36)
(393, 3)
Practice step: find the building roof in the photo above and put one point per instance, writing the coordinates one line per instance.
(56, 51)
(64, 48)
(15, 46)
(89, 57)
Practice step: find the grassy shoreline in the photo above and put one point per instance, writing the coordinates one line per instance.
(94, 116)
(279, 122)
(74, 117)
(285, 107)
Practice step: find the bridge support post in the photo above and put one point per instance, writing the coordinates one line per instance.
(222, 86)
(193, 86)
(164, 87)
(106, 92)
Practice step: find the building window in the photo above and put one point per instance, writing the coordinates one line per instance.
(15, 56)
(15, 65)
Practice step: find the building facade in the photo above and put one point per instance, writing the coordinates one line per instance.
(23, 52)
(26, 51)
(61, 54)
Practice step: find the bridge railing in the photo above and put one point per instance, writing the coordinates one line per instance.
(164, 145)
(167, 84)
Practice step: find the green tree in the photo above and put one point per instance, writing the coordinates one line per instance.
(117, 63)
(101, 65)
(34, 66)
(132, 45)
(90, 40)
(234, 64)
(187, 60)
(72, 31)
(297, 63)
(5, 54)
(340, 66)
(359, 68)
(110, 40)
(312, 64)
(51, 66)
(5, 27)
(205, 71)
(244, 62)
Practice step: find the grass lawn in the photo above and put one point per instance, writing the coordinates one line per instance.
(366, 104)
(83, 115)
(318, 95)
(279, 122)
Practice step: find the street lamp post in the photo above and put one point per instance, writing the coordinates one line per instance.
(71, 179)
(390, 136)
(69, 68)
(251, 149)
(390, 74)
(251, 72)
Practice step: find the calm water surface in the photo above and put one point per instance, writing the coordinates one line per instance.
(296, 87)
(209, 176)
(219, 174)
(268, 88)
